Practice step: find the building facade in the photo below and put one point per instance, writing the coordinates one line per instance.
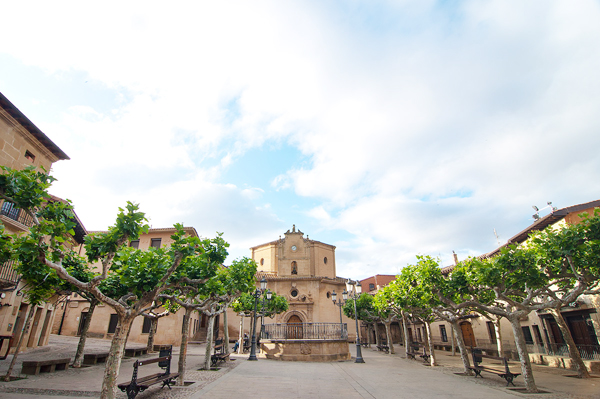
(544, 340)
(23, 144)
(304, 272)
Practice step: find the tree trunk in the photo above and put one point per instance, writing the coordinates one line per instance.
(388, 334)
(225, 332)
(498, 330)
(84, 330)
(185, 332)
(152, 334)
(430, 344)
(369, 335)
(26, 325)
(464, 354)
(241, 338)
(115, 355)
(523, 354)
(582, 371)
(377, 338)
(453, 340)
(405, 327)
(209, 342)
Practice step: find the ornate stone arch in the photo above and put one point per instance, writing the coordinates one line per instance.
(302, 315)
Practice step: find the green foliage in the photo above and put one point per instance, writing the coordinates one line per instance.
(129, 225)
(364, 307)
(26, 188)
(245, 304)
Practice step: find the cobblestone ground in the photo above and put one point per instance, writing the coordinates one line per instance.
(380, 372)
(86, 381)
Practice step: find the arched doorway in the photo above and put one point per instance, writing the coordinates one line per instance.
(294, 327)
(467, 332)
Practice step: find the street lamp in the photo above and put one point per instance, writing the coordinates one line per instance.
(354, 289)
(340, 304)
(257, 294)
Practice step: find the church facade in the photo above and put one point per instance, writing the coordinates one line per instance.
(304, 272)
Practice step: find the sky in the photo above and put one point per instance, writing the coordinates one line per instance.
(389, 129)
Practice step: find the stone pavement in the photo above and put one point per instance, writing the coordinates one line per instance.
(381, 376)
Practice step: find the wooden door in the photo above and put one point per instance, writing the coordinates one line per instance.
(294, 327)
(467, 332)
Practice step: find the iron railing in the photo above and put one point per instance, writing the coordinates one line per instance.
(587, 352)
(11, 211)
(8, 274)
(305, 331)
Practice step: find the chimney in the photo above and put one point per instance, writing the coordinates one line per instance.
(455, 258)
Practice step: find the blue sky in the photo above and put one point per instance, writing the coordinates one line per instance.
(386, 128)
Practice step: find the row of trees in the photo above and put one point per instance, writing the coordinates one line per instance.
(188, 274)
(548, 271)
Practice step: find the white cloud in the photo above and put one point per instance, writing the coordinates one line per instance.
(425, 125)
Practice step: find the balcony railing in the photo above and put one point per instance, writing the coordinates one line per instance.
(306, 331)
(587, 352)
(8, 275)
(12, 212)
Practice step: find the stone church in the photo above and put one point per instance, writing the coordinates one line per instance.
(304, 272)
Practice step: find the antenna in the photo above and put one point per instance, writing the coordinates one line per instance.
(536, 215)
(497, 236)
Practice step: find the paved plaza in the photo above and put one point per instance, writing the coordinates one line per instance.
(381, 376)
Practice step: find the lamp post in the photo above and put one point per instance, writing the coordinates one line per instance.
(354, 289)
(257, 294)
(339, 303)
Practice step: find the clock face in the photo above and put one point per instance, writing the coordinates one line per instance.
(294, 248)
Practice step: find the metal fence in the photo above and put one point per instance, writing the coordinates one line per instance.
(11, 211)
(587, 352)
(8, 274)
(305, 331)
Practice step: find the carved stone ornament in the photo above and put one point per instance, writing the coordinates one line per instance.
(305, 349)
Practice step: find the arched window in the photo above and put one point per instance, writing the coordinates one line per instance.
(294, 268)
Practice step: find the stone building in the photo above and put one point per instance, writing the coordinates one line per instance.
(544, 340)
(23, 144)
(304, 272)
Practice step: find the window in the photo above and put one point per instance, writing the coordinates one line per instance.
(443, 333)
(29, 156)
(491, 332)
(527, 334)
(155, 242)
(146, 326)
(371, 287)
(294, 293)
(135, 244)
(262, 261)
(294, 268)
(325, 260)
(112, 324)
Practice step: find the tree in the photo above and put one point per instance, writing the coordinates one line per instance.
(409, 295)
(364, 308)
(568, 255)
(140, 275)
(244, 306)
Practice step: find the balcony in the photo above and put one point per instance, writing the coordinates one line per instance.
(18, 215)
(9, 277)
(306, 331)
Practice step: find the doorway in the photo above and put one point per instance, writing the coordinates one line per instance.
(294, 327)
(468, 335)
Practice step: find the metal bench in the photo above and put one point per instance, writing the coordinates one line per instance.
(219, 355)
(137, 385)
(414, 350)
(500, 371)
